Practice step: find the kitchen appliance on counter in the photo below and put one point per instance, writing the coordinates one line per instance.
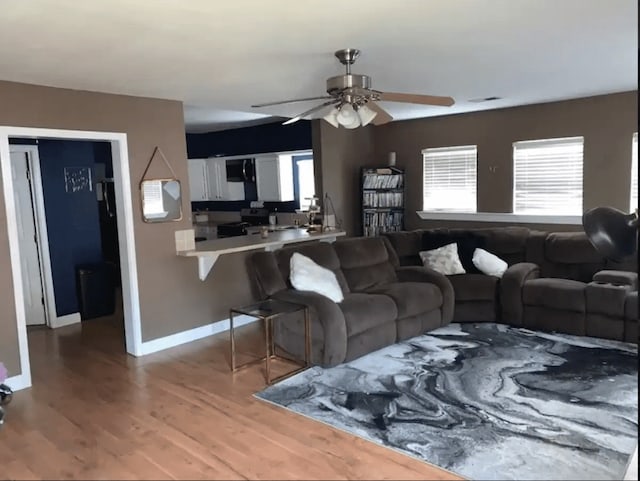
(248, 217)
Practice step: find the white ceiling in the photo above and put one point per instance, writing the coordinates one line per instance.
(221, 56)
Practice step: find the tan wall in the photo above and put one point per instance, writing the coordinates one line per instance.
(607, 123)
(172, 298)
(338, 155)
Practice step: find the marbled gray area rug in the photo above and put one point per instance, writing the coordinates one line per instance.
(485, 401)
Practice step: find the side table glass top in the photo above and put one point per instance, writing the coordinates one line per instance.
(268, 308)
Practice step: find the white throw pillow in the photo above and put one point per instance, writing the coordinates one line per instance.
(306, 275)
(488, 263)
(444, 260)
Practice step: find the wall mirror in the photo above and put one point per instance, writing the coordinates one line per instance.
(161, 200)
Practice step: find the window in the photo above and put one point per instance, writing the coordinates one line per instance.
(548, 176)
(634, 173)
(449, 176)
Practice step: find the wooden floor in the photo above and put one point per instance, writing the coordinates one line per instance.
(96, 413)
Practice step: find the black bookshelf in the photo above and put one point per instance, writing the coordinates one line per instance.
(382, 200)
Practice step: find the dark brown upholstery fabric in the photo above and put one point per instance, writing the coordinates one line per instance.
(364, 311)
(624, 278)
(606, 327)
(267, 274)
(569, 255)
(416, 325)
(508, 243)
(476, 311)
(467, 241)
(511, 291)
(474, 287)
(365, 263)
(563, 294)
(371, 340)
(327, 321)
(631, 306)
(424, 274)
(407, 245)
(607, 299)
(558, 320)
(411, 298)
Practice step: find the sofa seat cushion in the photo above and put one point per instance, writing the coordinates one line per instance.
(563, 294)
(363, 311)
(412, 298)
(474, 287)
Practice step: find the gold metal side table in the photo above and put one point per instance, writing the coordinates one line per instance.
(267, 311)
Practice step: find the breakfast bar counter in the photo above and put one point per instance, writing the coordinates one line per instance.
(208, 251)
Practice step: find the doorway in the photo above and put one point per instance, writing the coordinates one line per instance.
(126, 240)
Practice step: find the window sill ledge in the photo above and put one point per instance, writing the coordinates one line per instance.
(501, 217)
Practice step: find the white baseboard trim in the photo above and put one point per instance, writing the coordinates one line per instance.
(16, 383)
(65, 320)
(183, 337)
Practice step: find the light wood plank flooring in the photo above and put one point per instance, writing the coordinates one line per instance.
(95, 413)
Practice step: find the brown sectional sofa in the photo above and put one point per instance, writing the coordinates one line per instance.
(383, 302)
(555, 281)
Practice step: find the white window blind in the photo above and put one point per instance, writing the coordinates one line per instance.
(449, 176)
(548, 176)
(634, 173)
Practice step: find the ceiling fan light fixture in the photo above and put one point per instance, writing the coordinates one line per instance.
(332, 117)
(347, 117)
(366, 115)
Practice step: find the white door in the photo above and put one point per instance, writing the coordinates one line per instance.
(29, 256)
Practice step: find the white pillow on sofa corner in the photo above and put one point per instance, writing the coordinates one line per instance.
(306, 275)
(488, 263)
(444, 260)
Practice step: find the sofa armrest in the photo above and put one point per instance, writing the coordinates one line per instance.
(618, 278)
(424, 274)
(325, 316)
(511, 290)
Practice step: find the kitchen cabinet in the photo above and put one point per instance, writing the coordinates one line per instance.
(208, 181)
(274, 177)
(217, 178)
(198, 179)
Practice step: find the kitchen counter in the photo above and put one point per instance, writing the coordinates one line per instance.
(207, 252)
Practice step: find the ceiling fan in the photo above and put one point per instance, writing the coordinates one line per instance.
(353, 99)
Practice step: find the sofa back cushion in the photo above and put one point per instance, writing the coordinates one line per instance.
(566, 255)
(407, 245)
(508, 243)
(366, 262)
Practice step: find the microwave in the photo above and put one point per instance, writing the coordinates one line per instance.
(241, 170)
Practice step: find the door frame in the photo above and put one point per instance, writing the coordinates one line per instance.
(126, 237)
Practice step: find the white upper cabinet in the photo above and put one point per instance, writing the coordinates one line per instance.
(217, 174)
(208, 181)
(274, 177)
(198, 179)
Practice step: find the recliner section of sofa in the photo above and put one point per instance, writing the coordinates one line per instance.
(383, 303)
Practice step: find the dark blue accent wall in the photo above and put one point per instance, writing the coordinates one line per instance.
(258, 139)
(73, 224)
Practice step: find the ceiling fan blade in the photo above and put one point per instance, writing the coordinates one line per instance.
(310, 111)
(417, 99)
(383, 116)
(291, 101)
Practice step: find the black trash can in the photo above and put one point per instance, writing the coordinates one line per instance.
(96, 290)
